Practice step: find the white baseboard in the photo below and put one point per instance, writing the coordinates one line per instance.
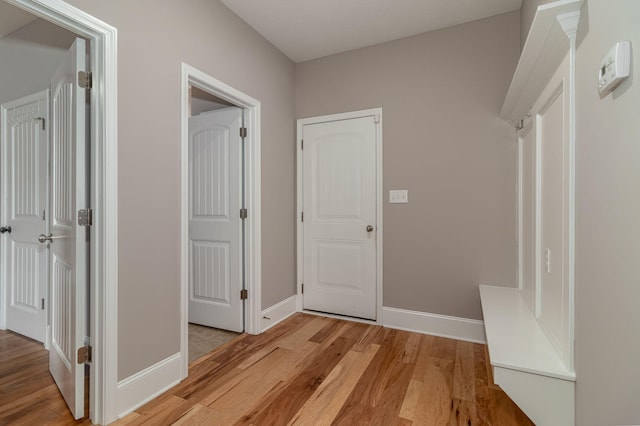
(142, 387)
(438, 325)
(278, 312)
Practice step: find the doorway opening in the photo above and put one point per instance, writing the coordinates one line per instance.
(99, 301)
(220, 226)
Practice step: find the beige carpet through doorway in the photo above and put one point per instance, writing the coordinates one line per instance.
(203, 340)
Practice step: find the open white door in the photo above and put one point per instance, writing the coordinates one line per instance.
(339, 225)
(215, 227)
(68, 241)
(24, 201)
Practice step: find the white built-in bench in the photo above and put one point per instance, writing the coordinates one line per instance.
(525, 364)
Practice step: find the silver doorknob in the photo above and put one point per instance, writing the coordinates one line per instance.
(369, 228)
(45, 238)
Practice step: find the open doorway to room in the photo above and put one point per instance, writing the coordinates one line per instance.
(216, 244)
(220, 214)
(58, 183)
(45, 180)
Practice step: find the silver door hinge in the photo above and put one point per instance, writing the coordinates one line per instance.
(85, 217)
(243, 132)
(84, 354)
(244, 294)
(42, 303)
(85, 79)
(243, 214)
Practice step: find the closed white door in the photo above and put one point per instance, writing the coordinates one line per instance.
(24, 201)
(69, 241)
(215, 227)
(339, 225)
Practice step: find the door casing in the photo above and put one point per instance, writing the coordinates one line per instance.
(253, 241)
(377, 114)
(104, 197)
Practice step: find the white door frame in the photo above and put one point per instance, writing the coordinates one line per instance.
(104, 196)
(376, 113)
(253, 240)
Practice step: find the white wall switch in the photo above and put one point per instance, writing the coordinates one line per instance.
(399, 196)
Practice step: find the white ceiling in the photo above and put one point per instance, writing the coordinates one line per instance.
(309, 29)
(12, 18)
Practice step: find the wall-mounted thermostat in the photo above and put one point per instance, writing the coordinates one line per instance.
(615, 67)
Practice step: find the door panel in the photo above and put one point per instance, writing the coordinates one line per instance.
(69, 268)
(339, 184)
(24, 260)
(215, 228)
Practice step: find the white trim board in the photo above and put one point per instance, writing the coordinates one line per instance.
(145, 385)
(468, 330)
(375, 112)
(104, 196)
(253, 241)
(278, 312)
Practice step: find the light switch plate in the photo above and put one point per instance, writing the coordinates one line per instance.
(398, 196)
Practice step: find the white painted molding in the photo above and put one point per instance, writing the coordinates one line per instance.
(104, 195)
(278, 312)
(469, 330)
(543, 51)
(142, 387)
(253, 223)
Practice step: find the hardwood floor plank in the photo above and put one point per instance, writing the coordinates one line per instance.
(325, 403)
(434, 403)
(408, 409)
(301, 387)
(464, 373)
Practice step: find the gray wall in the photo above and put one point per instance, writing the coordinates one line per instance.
(154, 37)
(441, 93)
(607, 223)
(29, 57)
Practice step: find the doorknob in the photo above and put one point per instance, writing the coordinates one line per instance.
(369, 228)
(4, 229)
(44, 238)
(47, 238)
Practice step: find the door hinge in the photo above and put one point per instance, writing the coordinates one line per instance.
(85, 79)
(302, 217)
(84, 354)
(243, 214)
(244, 294)
(42, 303)
(302, 288)
(243, 132)
(44, 214)
(85, 217)
(301, 143)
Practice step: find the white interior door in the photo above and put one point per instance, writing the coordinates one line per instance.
(339, 226)
(69, 242)
(215, 227)
(24, 201)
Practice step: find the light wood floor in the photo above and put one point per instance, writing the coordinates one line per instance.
(28, 395)
(316, 370)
